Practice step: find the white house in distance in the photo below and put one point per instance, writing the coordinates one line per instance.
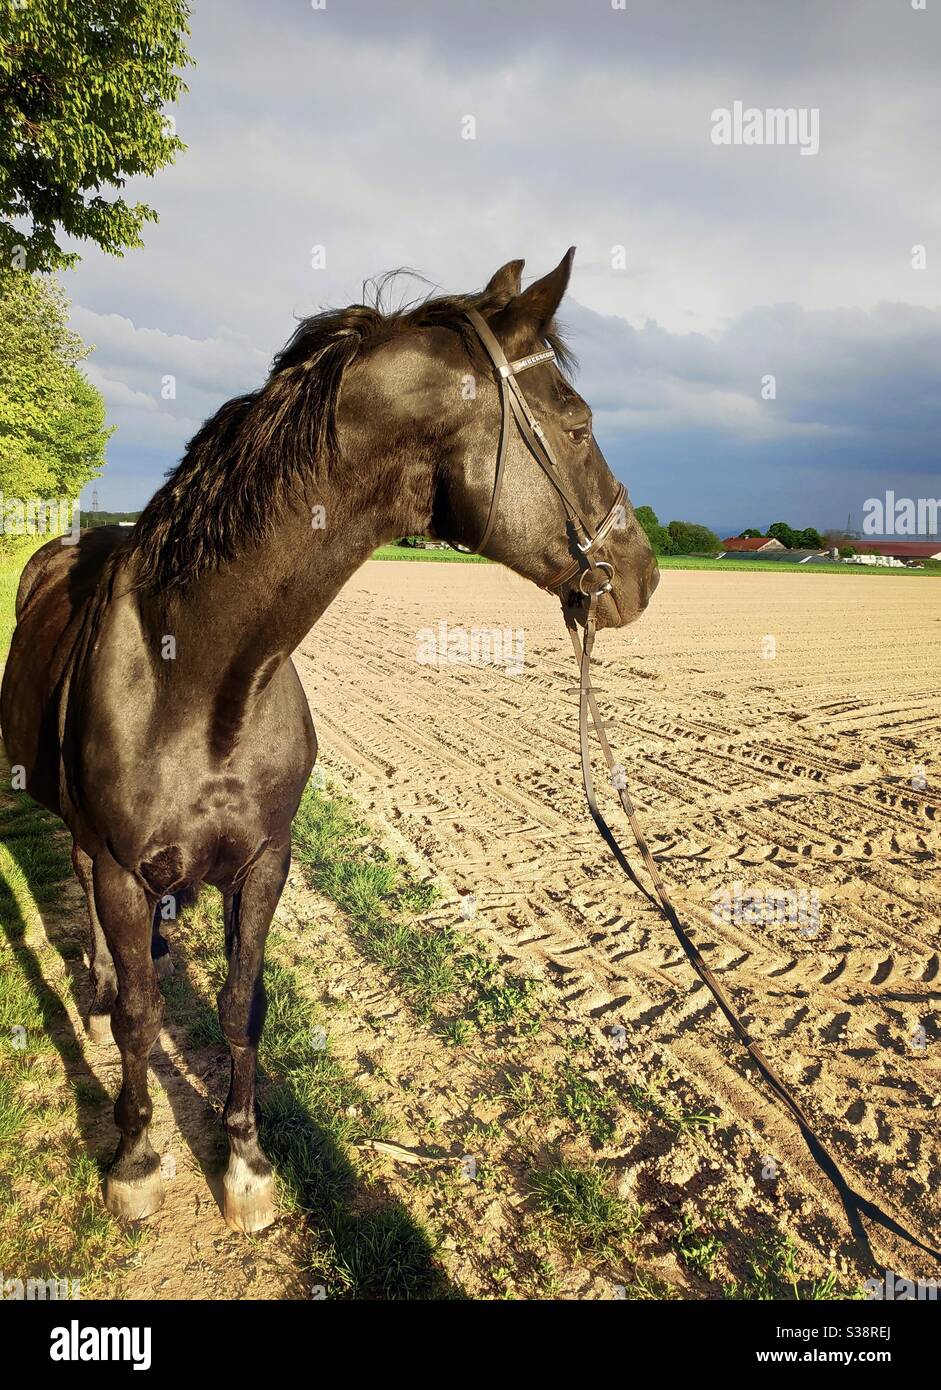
(899, 550)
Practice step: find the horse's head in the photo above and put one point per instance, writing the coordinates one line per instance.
(544, 510)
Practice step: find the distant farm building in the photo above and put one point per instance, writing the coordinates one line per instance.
(780, 555)
(798, 557)
(900, 550)
(886, 554)
(750, 544)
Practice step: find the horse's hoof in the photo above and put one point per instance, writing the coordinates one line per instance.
(99, 1028)
(248, 1200)
(164, 966)
(132, 1201)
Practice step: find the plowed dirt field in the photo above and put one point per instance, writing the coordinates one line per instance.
(782, 736)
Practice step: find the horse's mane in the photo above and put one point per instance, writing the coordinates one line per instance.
(238, 469)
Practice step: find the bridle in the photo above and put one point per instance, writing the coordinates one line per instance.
(514, 405)
(584, 564)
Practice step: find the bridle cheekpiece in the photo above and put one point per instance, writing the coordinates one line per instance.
(513, 403)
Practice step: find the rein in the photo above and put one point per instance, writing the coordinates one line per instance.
(854, 1203)
(583, 564)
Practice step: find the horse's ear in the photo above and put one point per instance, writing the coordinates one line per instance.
(504, 284)
(539, 302)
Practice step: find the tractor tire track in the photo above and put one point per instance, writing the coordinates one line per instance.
(808, 773)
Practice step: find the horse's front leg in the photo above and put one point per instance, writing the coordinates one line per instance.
(248, 1185)
(134, 1187)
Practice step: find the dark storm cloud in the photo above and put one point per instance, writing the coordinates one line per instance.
(342, 128)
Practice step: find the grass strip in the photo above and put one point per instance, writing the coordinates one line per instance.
(441, 557)
(448, 980)
(364, 1244)
(932, 568)
(53, 1224)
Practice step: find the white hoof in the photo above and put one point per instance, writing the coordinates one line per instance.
(132, 1201)
(163, 965)
(99, 1028)
(248, 1199)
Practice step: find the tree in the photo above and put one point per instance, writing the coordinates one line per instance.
(661, 542)
(808, 539)
(783, 533)
(52, 438)
(750, 534)
(80, 435)
(690, 539)
(83, 86)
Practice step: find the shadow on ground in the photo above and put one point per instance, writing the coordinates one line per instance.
(360, 1242)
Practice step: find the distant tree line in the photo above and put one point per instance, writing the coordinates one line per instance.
(789, 536)
(107, 518)
(679, 537)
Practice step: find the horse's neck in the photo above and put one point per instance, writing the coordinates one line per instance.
(234, 627)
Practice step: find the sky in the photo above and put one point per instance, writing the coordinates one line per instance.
(702, 269)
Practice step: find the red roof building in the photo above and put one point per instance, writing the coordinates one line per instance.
(751, 543)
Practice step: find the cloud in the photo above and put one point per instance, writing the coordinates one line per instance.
(342, 128)
(846, 373)
(207, 365)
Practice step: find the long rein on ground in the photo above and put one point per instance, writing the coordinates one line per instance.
(586, 542)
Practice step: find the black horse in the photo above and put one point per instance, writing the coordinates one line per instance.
(150, 699)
